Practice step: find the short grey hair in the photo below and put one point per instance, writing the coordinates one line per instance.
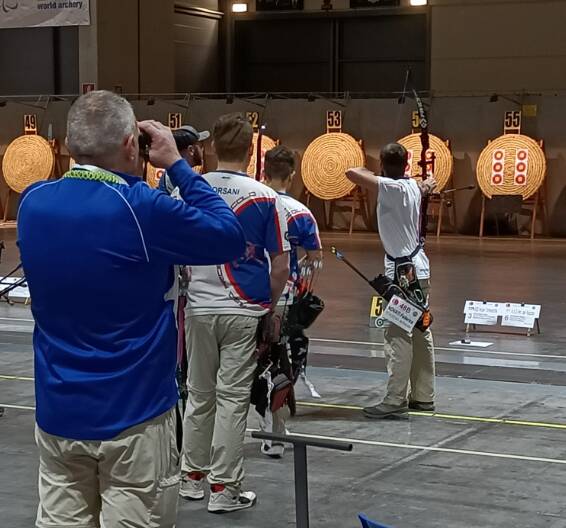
(97, 124)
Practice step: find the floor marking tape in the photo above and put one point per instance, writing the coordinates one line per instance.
(23, 407)
(502, 421)
(388, 444)
(441, 416)
(428, 448)
(15, 378)
(475, 351)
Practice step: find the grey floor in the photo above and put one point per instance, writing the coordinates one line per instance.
(455, 469)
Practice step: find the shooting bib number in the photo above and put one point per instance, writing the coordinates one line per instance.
(443, 163)
(28, 159)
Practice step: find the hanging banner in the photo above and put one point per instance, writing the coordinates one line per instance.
(38, 13)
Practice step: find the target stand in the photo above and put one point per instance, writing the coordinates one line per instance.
(356, 204)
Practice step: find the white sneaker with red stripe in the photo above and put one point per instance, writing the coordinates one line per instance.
(222, 500)
(192, 486)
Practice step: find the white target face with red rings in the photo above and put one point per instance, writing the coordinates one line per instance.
(498, 167)
(521, 166)
(497, 179)
(520, 179)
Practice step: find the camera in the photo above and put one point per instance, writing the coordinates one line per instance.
(183, 139)
(144, 142)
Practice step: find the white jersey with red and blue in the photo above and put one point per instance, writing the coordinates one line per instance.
(242, 287)
(303, 232)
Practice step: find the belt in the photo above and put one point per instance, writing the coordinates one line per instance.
(411, 256)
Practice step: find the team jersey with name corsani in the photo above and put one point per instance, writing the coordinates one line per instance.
(242, 287)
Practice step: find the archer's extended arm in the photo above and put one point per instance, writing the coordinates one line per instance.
(364, 178)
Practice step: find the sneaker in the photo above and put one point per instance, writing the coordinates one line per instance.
(421, 406)
(275, 451)
(222, 500)
(192, 486)
(385, 410)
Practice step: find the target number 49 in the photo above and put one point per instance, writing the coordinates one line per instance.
(30, 124)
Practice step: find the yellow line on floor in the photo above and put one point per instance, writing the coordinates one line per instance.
(389, 444)
(430, 448)
(15, 378)
(441, 416)
(502, 421)
(22, 407)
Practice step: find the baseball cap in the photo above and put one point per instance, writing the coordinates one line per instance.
(196, 136)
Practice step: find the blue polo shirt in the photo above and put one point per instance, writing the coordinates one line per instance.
(99, 258)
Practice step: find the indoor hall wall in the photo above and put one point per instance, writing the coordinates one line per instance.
(499, 45)
(157, 52)
(135, 45)
(467, 122)
(198, 53)
(39, 61)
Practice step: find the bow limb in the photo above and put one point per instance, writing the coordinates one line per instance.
(426, 160)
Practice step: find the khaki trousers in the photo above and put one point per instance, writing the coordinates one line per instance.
(410, 363)
(130, 481)
(222, 364)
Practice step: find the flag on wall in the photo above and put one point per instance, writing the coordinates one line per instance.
(40, 13)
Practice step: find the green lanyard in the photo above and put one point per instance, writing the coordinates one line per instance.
(95, 175)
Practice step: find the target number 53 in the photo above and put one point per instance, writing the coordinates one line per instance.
(334, 121)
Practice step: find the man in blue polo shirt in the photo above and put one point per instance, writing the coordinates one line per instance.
(98, 247)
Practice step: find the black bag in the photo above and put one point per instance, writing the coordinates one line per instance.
(304, 312)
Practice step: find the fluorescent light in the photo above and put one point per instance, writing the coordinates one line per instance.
(239, 7)
(419, 2)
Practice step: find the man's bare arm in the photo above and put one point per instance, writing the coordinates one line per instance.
(364, 178)
(279, 275)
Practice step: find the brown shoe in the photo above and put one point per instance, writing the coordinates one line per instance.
(421, 406)
(384, 410)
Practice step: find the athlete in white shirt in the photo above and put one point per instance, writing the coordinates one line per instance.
(304, 234)
(410, 356)
(224, 305)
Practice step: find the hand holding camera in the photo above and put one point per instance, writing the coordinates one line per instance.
(158, 141)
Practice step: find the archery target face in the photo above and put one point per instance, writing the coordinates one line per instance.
(521, 167)
(443, 161)
(498, 167)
